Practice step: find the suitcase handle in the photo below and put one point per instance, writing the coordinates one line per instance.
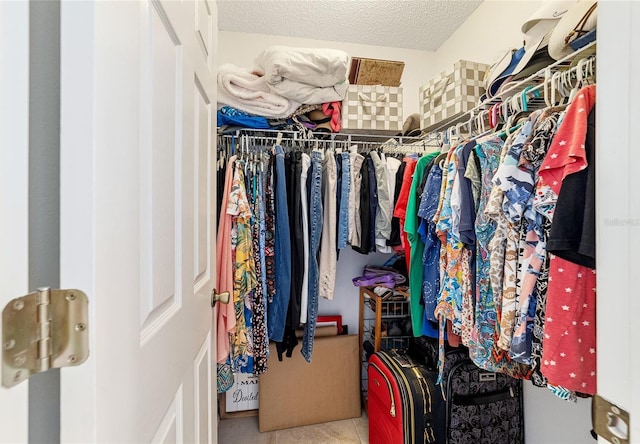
(485, 398)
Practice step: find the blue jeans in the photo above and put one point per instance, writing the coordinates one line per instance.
(315, 228)
(343, 217)
(277, 311)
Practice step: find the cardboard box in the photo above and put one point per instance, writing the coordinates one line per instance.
(365, 71)
(295, 393)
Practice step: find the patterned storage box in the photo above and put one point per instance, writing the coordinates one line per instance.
(372, 107)
(452, 93)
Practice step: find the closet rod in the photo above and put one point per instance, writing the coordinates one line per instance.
(388, 146)
(333, 137)
(514, 89)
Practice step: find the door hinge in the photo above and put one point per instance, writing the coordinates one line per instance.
(610, 421)
(43, 330)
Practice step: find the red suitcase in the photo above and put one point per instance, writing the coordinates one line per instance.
(404, 406)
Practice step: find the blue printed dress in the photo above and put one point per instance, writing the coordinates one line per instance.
(482, 348)
(431, 254)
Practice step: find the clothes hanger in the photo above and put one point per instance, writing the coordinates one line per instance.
(459, 129)
(590, 78)
(470, 123)
(516, 106)
(582, 74)
(493, 116)
(555, 88)
(480, 122)
(506, 110)
(278, 141)
(523, 99)
(490, 116)
(546, 85)
(440, 159)
(561, 87)
(509, 126)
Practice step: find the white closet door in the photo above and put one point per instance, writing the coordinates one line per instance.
(14, 197)
(618, 211)
(138, 210)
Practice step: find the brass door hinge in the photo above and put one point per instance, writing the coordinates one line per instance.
(610, 421)
(43, 330)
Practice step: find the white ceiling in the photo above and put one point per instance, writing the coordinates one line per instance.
(411, 24)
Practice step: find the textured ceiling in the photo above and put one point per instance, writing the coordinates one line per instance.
(410, 24)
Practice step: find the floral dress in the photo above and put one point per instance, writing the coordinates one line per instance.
(244, 275)
(482, 348)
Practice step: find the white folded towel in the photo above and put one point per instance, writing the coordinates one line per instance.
(243, 90)
(306, 75)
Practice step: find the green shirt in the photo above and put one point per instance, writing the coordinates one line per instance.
(411, 225)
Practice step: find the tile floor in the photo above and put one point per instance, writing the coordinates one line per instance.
(245, 431)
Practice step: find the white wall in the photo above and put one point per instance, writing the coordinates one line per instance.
(493, 29)
(345, 300)
(490, 31)
(241, 49)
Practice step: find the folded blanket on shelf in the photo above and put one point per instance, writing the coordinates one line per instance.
(241, 89)
(306, 75)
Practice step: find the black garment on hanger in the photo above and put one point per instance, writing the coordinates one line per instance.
(293, 168)
(573, 230)
(394, 238)
(373, 202)
(221, 174)
(365, 211)
(289, 342)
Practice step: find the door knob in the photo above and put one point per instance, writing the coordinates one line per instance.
(219, 297)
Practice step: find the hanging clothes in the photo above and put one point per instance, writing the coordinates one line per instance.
(363, 209)
(569, 345)
(530, 264)
(244, 273)
(226, 319)
(269, 227)
(463, 227)
(355, 224)
(400, 210)
(293, 164)
(277, 309)
(416, 245)
(373, 203)
(259, 296)
(304, 198)
(328, 254)
(395, 184)
(448, 309)
(482, 348)
(431, 254)
(344, 214)
(314, 245)
(516, 189)
(383, 213)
